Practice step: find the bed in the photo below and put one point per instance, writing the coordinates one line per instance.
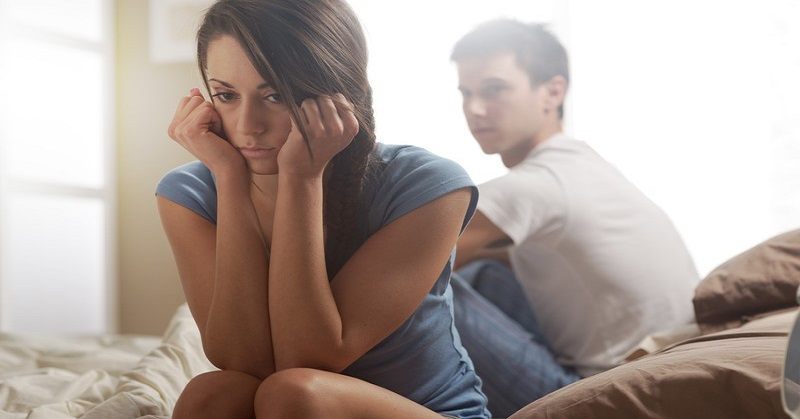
(730, 374)
(107, 377)
(727, 365)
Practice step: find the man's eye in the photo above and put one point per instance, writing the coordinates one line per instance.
(491, 91)
(225, 97)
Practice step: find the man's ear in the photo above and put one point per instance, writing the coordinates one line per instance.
(556, 91)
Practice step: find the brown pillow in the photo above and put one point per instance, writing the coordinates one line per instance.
(762, 279)
(733, 374)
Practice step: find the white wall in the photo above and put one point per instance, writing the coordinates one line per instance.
(697, 102)
(148, 94)
(414, 83)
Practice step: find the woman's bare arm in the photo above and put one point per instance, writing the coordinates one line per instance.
(238, 326)
(223, 268)
(328, 325)
(223, 271)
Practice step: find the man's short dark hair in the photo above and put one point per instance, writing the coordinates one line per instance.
(537, 50)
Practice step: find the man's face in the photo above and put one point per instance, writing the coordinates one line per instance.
(503, 110)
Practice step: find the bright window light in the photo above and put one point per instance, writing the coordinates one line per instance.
(52, 113)
(74, 18)
(53, 265)
(415, 85)
(56, 174)
(697, 103)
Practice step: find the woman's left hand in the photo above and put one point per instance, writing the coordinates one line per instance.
(331, 126)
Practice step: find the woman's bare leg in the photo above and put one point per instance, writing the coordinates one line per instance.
(218, 395)
(310, 393)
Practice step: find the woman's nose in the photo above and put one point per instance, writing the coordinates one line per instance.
(252, 120)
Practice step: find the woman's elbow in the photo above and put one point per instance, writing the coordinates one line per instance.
(330, 361)
(222, 357)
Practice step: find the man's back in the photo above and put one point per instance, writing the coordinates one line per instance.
(601, 264)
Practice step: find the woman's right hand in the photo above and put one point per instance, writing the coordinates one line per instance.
(197, 127)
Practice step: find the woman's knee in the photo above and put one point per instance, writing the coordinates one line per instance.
(294, 392)
(214, 393)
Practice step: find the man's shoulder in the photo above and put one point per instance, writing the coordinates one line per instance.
(563, 158)
(530, 180)
(560, 146)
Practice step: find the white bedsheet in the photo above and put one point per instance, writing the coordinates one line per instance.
(109, 377)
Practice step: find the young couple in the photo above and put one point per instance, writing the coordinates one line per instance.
(318, 262)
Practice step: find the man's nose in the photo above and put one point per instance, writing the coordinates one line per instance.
(475, 107)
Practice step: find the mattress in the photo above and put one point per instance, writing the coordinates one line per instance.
(104, 377)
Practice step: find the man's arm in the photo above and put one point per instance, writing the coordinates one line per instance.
(481, 239)
(499, 254)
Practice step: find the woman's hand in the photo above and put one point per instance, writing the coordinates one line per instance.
(331, 127)
(198, 128)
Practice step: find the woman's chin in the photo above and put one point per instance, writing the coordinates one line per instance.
(263, 167)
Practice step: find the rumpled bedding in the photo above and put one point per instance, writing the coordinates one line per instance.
(108, 377)
(123, 377)
(731, 374)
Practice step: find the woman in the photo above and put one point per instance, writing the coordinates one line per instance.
(315, 262)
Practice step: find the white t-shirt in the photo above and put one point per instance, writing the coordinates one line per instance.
(601, 264)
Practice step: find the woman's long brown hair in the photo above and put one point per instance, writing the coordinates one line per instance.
(308, 48)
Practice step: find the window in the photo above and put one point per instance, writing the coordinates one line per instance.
(56, 167)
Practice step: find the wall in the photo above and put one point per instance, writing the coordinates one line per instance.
(147, 95)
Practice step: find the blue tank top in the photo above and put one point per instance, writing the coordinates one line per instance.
(423, 359)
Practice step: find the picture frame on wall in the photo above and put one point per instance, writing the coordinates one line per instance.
(172, 28)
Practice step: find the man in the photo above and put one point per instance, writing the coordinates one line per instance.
(598, 266)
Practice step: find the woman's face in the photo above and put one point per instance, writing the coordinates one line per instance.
(254, 118)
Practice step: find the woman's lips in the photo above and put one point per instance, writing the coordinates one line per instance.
(258, 152)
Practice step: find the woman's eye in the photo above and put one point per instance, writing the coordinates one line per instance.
(225, 97)
(274, 98)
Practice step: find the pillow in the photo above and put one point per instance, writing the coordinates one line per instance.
(732, 374)
(763, 278)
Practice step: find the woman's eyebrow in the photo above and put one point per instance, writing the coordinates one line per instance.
(226, 84)
(230, 86)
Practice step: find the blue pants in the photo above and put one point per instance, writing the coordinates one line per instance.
(500, 332)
